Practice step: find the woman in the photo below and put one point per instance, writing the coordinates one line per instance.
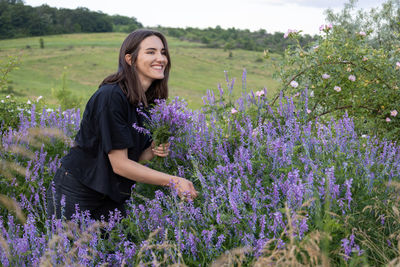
(101, 168)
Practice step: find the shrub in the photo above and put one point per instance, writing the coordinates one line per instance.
(5, 69)
(65, 97)
(346, 74)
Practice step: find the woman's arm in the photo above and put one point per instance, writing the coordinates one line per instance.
(132, 170)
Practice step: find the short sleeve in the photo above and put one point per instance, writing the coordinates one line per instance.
(115, 132)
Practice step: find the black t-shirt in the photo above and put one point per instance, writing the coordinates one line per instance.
(106, 125)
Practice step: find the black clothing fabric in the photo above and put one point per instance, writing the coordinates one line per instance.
(76, 193)
(106, 125)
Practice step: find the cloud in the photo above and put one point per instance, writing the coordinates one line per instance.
(321, 3)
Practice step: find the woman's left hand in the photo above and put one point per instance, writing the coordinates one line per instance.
(161, 150)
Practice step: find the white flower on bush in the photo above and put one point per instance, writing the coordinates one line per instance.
(234, 111)
(324, 27)
(326, 76)
(2, 101)
(290, 33)
(308, 111)
(397, 65)
(337, 88)
(260, 93)
(393, 113)
(361, 33)
(40, 97)
(8, 96)
(388, 119)
(294, 84)
(352, 78)
(28, 102)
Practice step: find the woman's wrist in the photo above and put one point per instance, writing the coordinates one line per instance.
(147, 155)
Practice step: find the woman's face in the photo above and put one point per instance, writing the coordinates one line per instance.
(151, 61)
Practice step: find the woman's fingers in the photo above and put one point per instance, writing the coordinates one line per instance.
(161, 150)
(185, 188)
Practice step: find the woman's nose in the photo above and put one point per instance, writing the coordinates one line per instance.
(161, 57)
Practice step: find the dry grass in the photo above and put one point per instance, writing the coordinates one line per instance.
(13, 206)
(169, 252)
(234, 257)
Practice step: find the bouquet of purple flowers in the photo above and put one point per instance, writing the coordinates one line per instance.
(165, 121)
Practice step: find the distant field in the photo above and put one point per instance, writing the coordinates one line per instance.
(88, 58)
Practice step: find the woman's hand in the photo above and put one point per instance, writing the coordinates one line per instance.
(161, 150)
(152, 151)
(184, 187)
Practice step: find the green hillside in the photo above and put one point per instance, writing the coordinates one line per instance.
(87, 58)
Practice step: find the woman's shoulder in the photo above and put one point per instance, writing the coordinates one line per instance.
(110, 89)
(109, 94)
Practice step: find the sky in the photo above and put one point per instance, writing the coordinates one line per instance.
(270, 15)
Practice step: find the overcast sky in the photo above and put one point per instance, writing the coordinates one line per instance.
(271, 15)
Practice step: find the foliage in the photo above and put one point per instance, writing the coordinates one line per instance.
(19, 20)
(125, 24)
(346, 74)
(11, 111)
(65, 97)
(382, 21)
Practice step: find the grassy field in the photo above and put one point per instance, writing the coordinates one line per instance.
(87, 59)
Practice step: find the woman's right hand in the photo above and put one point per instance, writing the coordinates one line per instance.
(184, 187)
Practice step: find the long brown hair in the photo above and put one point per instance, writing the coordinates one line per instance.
(127, 76)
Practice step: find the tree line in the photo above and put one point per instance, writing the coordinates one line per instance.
(233, 38)
(20, 20)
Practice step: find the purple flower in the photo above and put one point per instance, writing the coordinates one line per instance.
(221, 239)
(346, 248)
(348, 195)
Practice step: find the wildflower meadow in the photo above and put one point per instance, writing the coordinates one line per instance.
(270, 180)
(309, 177)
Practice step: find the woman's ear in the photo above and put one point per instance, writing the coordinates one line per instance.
(128, 59)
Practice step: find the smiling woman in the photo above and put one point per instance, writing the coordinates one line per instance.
(100, 169)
